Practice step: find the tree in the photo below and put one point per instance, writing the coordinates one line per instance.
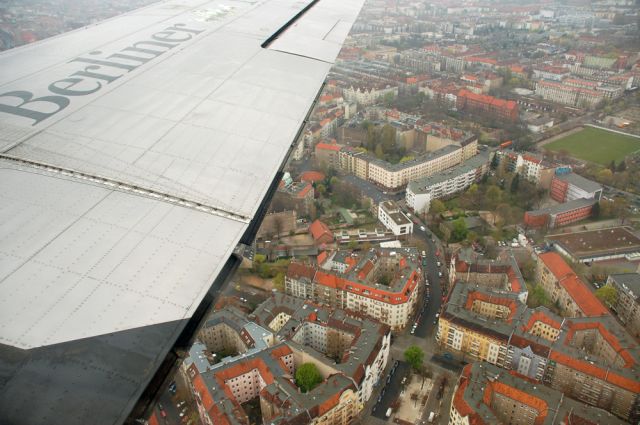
(612, 166)
(307, 377)
(621, 208)
(278, 281)
(437, 206)
(494, 162)
(604, 176)
(493, 195)
(388, 138)
(379, 152)
(608, 295)
(459, 231)
(321, 189)
(414, 356)
(515, 183)
(538, 297)
(621, 167)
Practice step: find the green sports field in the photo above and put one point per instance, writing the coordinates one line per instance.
(595, 145)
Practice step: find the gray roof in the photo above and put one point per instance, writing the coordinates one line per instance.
(564, 207)
(446, 150)
(630, 281)
(424, 185)
(581, 182)
(123, 194)
(559, 409)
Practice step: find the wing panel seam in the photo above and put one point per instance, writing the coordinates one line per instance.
(129, 188)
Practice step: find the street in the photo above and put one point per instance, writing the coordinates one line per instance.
(427, 323)
(390, 390)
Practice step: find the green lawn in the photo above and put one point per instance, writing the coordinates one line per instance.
(595, 145)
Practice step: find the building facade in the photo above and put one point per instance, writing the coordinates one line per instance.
(390, 214)
(627, 305)
(382, 283)
(421, 192)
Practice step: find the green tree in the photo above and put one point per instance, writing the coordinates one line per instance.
(621, 167)
(278, 281)
(259, 258)
(437, 207)
(414, 356)
(493, 196)
(388, 138)
(307, 377)
(605, 176)
(515, 183)
(538, 297)
(607, 294)
(379, 152)
(621, 208)
(459, 231)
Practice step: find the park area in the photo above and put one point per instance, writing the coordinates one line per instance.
(596, 145)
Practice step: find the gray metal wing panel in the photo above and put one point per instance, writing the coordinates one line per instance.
(126, 185)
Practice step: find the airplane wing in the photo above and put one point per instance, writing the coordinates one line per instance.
(135, 155)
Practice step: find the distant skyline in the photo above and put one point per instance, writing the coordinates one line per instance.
(26, 21)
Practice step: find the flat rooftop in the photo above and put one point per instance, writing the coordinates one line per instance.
(595, 243)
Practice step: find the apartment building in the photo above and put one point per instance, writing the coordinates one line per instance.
(327, 153)
(357, 346)
(592, 358)
(570, 186)
(394, 219)
(486, 394)
(500, 108)
(566, 289)
(527, 165)
(292, 195)
(396, 176)
(627, 306)
(382, 283)
(349, 351)
(368, 96)
(421, 192)
(550, 73)
(567, 95)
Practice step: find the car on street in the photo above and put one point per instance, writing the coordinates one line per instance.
(423, 228)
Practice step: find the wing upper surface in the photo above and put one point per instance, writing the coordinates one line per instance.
(133, 155)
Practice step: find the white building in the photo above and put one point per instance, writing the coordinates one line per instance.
(394, 219)
(368, 97)
(421, 192)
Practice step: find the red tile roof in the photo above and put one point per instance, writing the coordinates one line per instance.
(297, 270)
(322, 257)
(540, 316)
(492, 299)
(328, 147)
(577, 290)
(490, 100)
(318, 230)
(312, 176)
(304, 191)
(517, 395)
(595, 371)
